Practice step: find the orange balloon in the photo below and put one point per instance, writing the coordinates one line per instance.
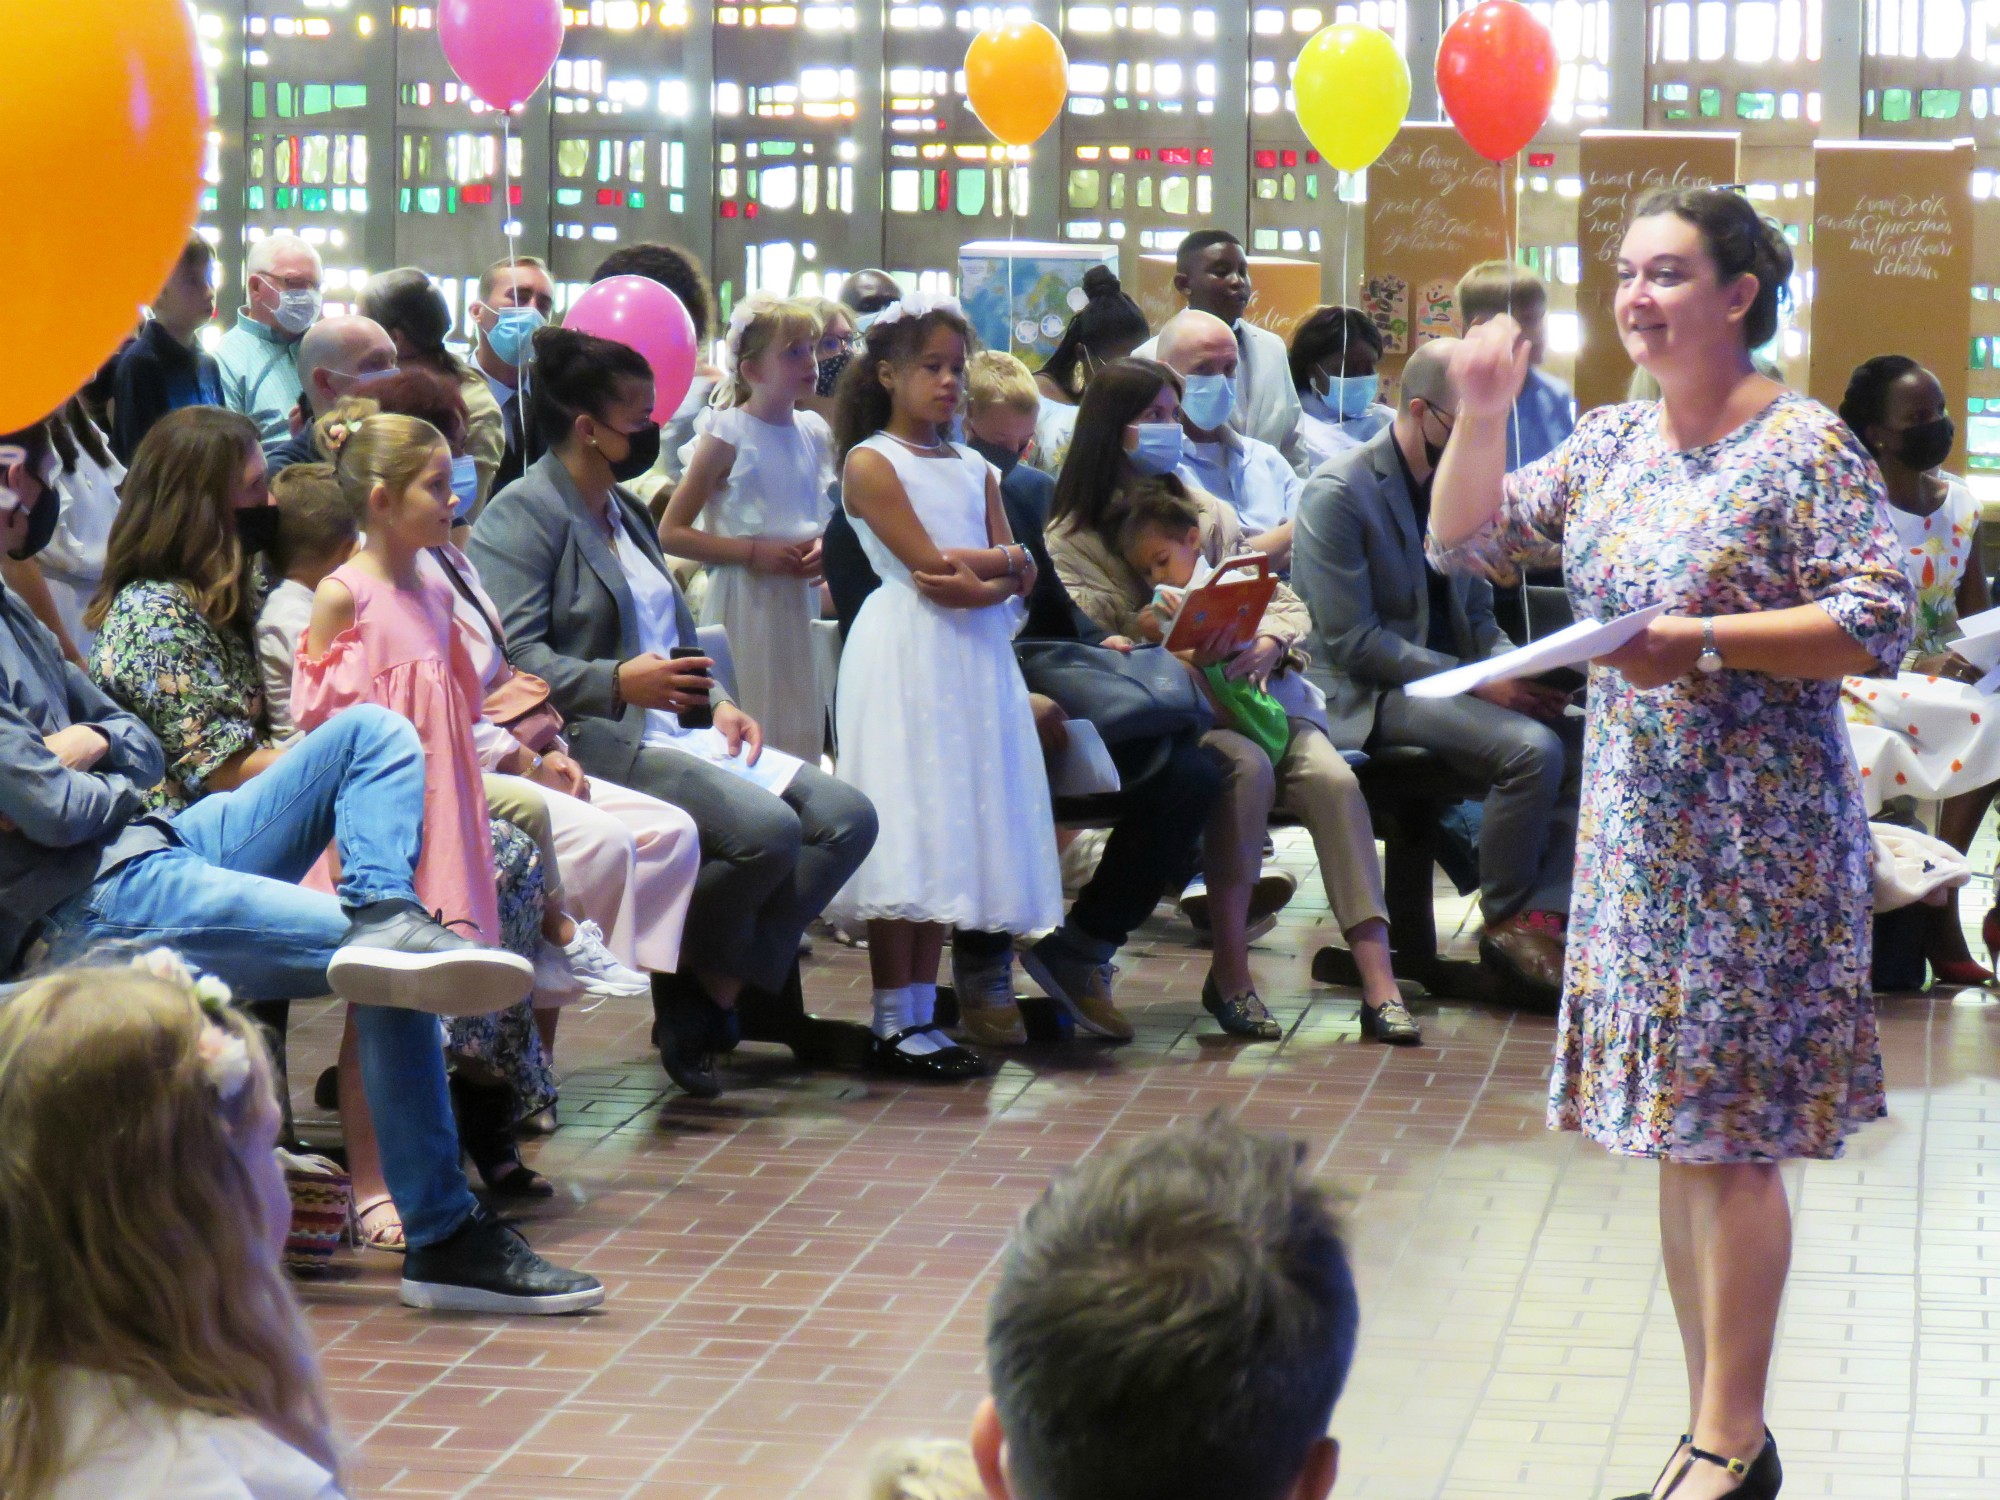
(102, 129)
(1016, 78)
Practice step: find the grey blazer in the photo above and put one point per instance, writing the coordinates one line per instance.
(566, 607)
(1358, 562)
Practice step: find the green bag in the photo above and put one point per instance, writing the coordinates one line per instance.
(1259, 717)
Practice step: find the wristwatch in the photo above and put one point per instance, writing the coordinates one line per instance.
(1710, 659)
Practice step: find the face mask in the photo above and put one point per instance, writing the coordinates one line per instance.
(1002, 458)
(1927, 444)
(257, 527)
(1433, 451)
(464, 485)
(1350, 395)
(1209, 400)
(829, 373)
(865, 321)
(645, 453)
(511, 338)
(1159, 447)
(297, 310)
(358, 381)
(42, 518)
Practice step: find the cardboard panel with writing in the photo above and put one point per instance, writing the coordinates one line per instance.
(1892, 250)
(1283, 292)
(1435, 210)
(1619, 167)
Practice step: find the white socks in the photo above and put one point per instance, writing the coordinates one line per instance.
(898, 1010)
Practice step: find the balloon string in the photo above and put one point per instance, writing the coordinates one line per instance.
(1510, 237)
(513, 278)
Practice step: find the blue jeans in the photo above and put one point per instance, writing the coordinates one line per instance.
(229, 900)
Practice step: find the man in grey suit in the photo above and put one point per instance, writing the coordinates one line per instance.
(1383, 617)
(567, 556)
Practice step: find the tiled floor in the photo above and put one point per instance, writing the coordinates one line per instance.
(799, 1271)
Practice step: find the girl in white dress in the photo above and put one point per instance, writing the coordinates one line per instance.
(933, 716)
(751, 506)
(152, 1346)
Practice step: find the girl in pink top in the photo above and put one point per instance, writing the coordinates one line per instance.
(382, 633)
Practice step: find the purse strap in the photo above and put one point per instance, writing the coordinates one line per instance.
(464, 586)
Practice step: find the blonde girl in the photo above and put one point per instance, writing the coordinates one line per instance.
(151, 1343)
(751, 506)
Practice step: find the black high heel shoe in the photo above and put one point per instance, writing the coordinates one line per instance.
(485, 1114)
(1759, 1479)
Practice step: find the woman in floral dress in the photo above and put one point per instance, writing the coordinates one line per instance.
(1716, 1014)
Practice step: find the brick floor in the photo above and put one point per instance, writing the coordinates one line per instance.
(798, 1271)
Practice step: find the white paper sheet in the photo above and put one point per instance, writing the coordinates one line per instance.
(1584, 641)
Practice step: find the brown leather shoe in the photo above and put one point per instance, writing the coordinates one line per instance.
(1524, 949)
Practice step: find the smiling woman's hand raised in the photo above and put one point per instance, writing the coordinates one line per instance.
(1489, 368)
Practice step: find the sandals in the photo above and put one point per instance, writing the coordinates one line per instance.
(485, 1114)
(1759, 1479)
(384, 1234)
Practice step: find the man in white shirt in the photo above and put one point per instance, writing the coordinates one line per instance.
(260, 376)
(516, 297)
(1213, 274)
(1248, 474)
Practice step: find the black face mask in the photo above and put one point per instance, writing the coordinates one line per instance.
(1001, 458)
(1927, 444)
(257, 527)
(1433, 451)
(42, 520)
(645, 453)
(829, 373)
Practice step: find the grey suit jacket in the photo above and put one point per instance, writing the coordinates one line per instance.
(1358, 561)
(566, 607)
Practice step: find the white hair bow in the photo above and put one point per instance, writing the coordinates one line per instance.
(917, 305)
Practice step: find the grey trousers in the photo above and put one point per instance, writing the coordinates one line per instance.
(769, 865)
(1527, 844)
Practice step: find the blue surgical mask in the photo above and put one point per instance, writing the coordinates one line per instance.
(1350, 395)
(1159, 448)
(510, 338)
(1209, 399)
(464, 485)
(865, 321)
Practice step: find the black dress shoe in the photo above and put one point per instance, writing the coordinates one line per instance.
(685, 1032)
(946, 1065)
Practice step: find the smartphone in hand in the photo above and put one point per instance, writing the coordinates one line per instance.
(701, 716)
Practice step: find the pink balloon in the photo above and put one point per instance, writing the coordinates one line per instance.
(639, 313)
(501, 49)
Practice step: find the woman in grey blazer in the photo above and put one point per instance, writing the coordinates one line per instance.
(589, 606)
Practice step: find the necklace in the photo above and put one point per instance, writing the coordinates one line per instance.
(940, 446)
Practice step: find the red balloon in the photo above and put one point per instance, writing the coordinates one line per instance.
(1496, 73)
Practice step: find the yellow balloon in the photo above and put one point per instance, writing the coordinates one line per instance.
(1351, 90)
(1016, 79)
(96, 90)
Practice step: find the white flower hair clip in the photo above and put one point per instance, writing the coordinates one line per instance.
(746, 312)
(224, 1057)
(918, 305)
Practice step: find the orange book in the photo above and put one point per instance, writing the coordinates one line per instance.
(1229, 600)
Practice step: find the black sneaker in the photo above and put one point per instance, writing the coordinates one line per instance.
(485, 1266)
(396, 954)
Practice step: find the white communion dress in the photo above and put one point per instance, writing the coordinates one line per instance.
(777, 487)
(934, 726)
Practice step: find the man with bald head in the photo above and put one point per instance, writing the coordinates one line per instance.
(1383, 617)
(868, 292)
(337, 357)
(1243, 472)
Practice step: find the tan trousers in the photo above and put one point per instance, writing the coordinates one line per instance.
(1316, 786)
(513, 799)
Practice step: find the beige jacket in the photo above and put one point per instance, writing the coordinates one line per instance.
(485, 432)
(1105, 587)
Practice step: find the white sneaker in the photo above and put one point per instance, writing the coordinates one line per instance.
(585, 964)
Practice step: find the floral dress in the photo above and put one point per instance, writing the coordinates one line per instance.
(195, 685)
(1716, 1002)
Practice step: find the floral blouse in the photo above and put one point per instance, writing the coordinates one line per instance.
(196, 686)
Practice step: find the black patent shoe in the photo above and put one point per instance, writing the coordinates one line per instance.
(951, 1064)
(1391, 1024)
(1241, 1015)
(1759, 1479)
(485, 1113)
